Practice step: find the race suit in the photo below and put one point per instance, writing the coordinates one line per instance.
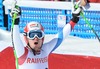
(26, 58)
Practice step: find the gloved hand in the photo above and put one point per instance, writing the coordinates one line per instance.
(15, 13)
(76, 13)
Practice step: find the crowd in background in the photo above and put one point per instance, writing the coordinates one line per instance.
(89, 1)
(60, 0)
(51, 0)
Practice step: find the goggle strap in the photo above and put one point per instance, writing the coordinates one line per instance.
(25, 34)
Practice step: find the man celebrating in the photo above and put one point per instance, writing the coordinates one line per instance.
(35, 54)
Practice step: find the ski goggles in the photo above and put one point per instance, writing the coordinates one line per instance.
(35, 33)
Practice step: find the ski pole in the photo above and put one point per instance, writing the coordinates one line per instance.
(86, 20)
(12, 26)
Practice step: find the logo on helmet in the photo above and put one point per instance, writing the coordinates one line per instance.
(34, 25)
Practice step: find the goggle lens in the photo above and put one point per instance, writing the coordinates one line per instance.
(33, 34)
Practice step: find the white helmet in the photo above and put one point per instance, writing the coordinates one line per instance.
(36, 29)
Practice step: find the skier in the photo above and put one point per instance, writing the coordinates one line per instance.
(35, 54)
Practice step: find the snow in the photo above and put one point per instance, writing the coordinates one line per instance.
(71, 45)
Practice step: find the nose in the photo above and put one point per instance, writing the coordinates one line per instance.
(36, 38)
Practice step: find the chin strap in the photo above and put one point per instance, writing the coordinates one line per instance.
(31, 49)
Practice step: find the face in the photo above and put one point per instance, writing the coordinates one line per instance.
(36, 44)
(35, 40)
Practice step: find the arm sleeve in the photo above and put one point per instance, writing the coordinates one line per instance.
(17, 42)
(57, 40)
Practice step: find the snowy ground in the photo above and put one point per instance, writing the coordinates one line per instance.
(74, 45)
(71, 45)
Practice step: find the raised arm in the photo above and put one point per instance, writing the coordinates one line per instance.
(17, 42)
(57, 40)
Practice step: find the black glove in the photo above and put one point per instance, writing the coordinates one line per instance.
(76, 13)
(15, 13)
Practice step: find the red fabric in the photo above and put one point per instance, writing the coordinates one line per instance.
(24, 56)
(56, 61)
(7, 60)
(92, 1)
(72, 24)
(59, 61)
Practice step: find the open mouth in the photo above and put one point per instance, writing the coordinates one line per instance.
(35, 43)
